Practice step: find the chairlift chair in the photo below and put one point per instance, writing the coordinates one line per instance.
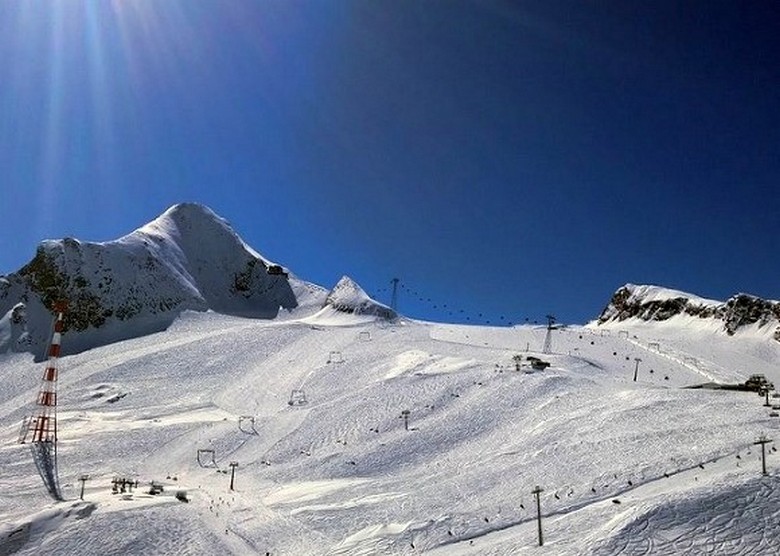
(297, 397)
(246, 424)
(206, 457)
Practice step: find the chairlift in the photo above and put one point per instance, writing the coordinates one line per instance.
(364, 336)
(335, 357)
(206, 457)
(246, 424)
(297, 398)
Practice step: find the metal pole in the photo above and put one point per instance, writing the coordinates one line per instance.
(547, 348)
(763, 459)
(763, 441)
(636, 369)
(394, 297)
(83, 479)
(537, 491)
(233, 465)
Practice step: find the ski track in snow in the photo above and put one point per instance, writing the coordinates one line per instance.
(341, 475)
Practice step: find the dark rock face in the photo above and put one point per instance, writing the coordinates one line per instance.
(45, 278)
(625, 305)
(745, 309)
(740, 310)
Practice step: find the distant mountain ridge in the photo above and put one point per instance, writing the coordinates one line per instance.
(189, 258)
(653, 303)
(186, 259)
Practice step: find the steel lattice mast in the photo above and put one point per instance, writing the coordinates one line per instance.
(42, 426)
(394, 297)
(548, 337)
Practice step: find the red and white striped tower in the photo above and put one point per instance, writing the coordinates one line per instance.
(42, 425)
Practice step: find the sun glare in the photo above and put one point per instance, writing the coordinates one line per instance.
(94, 87)
(78, 68)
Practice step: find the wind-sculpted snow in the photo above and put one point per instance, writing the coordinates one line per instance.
(738, 520)
(624, 465)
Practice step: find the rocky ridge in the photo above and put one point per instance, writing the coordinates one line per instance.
(651, 303)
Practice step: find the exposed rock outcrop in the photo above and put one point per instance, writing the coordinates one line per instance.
(651, 303)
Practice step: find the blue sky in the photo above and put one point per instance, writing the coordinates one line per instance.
(504, 159)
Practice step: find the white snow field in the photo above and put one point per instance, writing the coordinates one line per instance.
(631, 468)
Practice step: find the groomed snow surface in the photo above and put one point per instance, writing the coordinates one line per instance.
(644, 467)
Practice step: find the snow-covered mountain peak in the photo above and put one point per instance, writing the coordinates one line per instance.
(348, 297)
(648, 293)
(185, 221)
(186, 259)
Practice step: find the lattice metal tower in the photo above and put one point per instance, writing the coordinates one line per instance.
(41, 428)
(394, 297)
(548, 336)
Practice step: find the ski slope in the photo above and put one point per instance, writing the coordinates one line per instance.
(644, 467)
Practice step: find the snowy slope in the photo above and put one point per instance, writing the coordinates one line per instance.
(187, 259)
(339, 474)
